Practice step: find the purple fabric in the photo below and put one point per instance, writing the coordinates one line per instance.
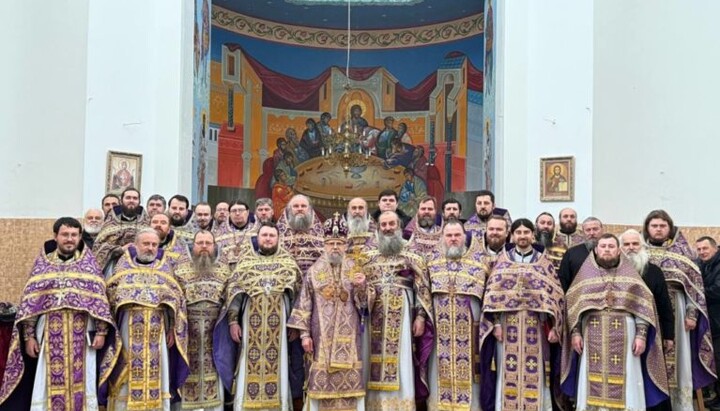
(488, 377)
(225, 352)
(179, 371)
(701, 378)
(653, 394)
(421, 356)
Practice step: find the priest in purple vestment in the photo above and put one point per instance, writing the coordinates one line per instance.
(149, 307)
(64, 320)
(329, 314)
(612, 358)
(525, 303)
(690, 362)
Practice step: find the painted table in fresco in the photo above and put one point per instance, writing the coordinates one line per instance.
(329, 187)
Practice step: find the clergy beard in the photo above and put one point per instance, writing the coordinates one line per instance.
(299, 222)
(656, 243)
(544, 238)
(495, 244)
(176, 220)
(639, 260)
(358, 225)
(390, 244)
(129, 212)
(92, 229)
(483, 217)
(426, 222)
(590, 243)
(608, 263)
(203, 263)
(268, 250)
(145, 258)
(335, 259)
(455, 251)
(568, 228)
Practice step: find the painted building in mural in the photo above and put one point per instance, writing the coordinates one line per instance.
(289, 118)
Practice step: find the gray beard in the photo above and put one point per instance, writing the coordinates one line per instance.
(455, 252)
(639, 260)
(145, 258)
(426, 222)
(390, 245)
(299, 222)
(92, 229)
(544, 238)
(358, 225)
(203, 263)
(335, 259)
(590, 244)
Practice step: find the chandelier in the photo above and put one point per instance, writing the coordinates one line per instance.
(347, 147)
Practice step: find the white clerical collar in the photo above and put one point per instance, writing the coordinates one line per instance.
(521, 257)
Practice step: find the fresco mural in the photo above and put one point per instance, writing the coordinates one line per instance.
(488, 130)
(289, 118)
(201, 99)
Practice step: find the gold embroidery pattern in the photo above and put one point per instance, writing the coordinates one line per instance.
(262, 389)
(65, 344)
(606, 342)
(201, 387)
(523, 361)
(146, 327)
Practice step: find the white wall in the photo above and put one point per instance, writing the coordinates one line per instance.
(139, 62)
(656, 125)
(545, 100)
(42, 107)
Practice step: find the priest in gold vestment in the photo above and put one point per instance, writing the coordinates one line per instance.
(258, 301)
(328, 314)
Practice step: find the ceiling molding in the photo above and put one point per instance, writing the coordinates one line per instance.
(337, 39)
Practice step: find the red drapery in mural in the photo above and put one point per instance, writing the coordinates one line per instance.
(290, 93)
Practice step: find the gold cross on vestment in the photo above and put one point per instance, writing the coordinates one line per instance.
(615, 359)
(531, 321)
(616, 323)
(513, 319)
(512, 334)
(336, 215)
(510, 362)
(595, 322)
(595, 358)
(532, 364)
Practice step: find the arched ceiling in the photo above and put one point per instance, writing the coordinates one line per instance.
(375, 15)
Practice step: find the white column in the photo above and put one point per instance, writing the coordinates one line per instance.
(545, 91)
(42, 107)
(139, 93)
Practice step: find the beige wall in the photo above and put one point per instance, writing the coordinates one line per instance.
(20, 243)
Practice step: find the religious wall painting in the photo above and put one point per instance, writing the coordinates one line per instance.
(123, 170)
(276, 130)
(201, 99)
(557, 179)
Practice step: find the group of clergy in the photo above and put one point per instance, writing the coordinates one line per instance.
(163, 307)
